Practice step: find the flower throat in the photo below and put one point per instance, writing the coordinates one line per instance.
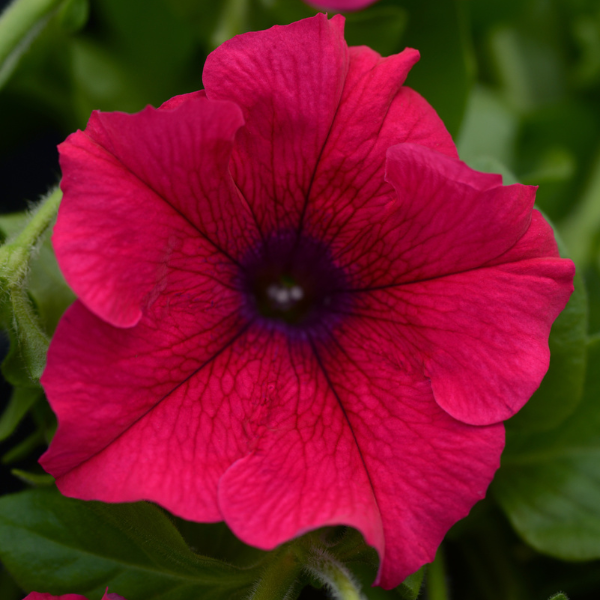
(292, 283)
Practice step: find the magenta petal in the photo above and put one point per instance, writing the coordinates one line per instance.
(375, 112)
(446, 218)
(538, 242)
(349, 439)
(480, 336)
(288, 82)
(41, 596)
(108, 596)
(136, 187)
(150, 412)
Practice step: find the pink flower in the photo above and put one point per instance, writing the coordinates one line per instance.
(297, 307)
(341, 5)
(39, 596)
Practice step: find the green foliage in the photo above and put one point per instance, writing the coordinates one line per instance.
(445, 73)
(20, 24)
(63, 546)
(549, 484)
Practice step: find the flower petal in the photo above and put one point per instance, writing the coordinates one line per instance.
(137, 186)
(446, 218)
(349, 439)
(150, 412)
(480, 336)
(375, 112)
(42, 596)
(305, 470)
(288, 82)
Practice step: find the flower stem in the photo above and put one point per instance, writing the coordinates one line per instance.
(334, 575)
(17, 311)
(280, 576)
(19, 25)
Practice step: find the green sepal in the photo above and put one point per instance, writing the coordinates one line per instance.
(33, 292)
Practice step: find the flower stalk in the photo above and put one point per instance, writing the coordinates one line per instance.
(327, 569)
(280, 575)
(15, 257)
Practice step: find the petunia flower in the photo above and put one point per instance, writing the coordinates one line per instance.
(341, 5)
(297, 307)
(40, 596)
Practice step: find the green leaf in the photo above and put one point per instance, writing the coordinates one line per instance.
(20, 402)
(74, 14)
(410, 588)
(34, 479)
(559, 596)
(445, 72)
(20, 23)
(63, 546)
(25, 448)
(549, 484)
(581, 227)
(489, 129)
(9, 590)
(380, 28)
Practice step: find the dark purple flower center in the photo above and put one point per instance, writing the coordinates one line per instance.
(292, 282)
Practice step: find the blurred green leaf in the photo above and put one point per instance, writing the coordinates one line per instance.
(25, 448)
(73, 15)
(445, 73)
(380, 28)
(62, 546)
(21, 401)
(549, 483)
(580, 228)
(20, 23)
(35, 479)
(555, 149)
(489, 128)
(529, 70)
(9, 590)
(232, 21)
